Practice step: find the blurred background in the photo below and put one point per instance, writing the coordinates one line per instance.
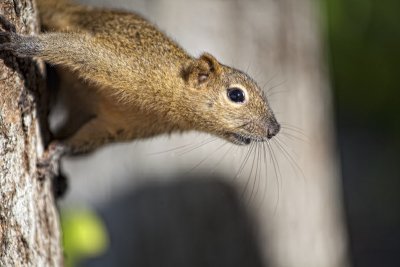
(363, 39)
(324, 193)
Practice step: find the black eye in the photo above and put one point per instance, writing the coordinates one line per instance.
(236, 95)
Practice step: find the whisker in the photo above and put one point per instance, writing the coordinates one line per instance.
(247, 155)
(244, 125)
(289, 157)
(266, 174)
(207, 157)
(268, 81)
(277, 93)
(270, 92)
(292, 127)
(169, 150)
(278, 174)
(295, 132)
(203, 143)
(287, 150)
(250, 175)
(223, 157)
(294, 137)
(257, 174)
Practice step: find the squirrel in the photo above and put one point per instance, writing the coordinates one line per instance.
(145, 84)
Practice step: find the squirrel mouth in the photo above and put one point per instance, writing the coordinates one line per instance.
(239, 139)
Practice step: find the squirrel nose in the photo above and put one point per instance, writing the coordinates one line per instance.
(273, 128)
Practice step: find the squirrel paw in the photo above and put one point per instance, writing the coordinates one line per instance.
(48, 165)
(19, 45)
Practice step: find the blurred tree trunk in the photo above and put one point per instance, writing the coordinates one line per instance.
(29, 227)
(308, 227)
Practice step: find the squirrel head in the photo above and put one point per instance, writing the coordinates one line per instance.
(226, 102)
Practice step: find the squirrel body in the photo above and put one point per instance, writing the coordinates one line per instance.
(145, 83)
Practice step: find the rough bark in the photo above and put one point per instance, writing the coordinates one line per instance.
(29, 227)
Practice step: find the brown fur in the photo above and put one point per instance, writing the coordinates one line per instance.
(145, 84)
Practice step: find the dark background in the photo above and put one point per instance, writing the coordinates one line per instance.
(363, 50)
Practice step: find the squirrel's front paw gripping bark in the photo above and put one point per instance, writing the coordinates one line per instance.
(49, 166)
(19, 45)
(51, 157)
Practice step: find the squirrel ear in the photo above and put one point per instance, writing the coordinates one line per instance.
(213, 64)
(198, 71)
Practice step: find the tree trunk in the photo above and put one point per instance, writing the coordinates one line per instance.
(29, 226)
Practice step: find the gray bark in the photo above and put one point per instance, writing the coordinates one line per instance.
(29, 226)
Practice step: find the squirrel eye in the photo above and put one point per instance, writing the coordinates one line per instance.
(236, 95)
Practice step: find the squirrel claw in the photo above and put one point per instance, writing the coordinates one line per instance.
(48, 165)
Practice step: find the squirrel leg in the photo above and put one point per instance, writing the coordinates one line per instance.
(79, 52)
(90, 136)
(75, 50)
(56, 48)
(19, 45)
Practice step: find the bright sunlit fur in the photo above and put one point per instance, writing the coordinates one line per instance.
(143, 82)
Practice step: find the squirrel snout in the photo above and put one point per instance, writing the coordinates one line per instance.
(273, 128)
